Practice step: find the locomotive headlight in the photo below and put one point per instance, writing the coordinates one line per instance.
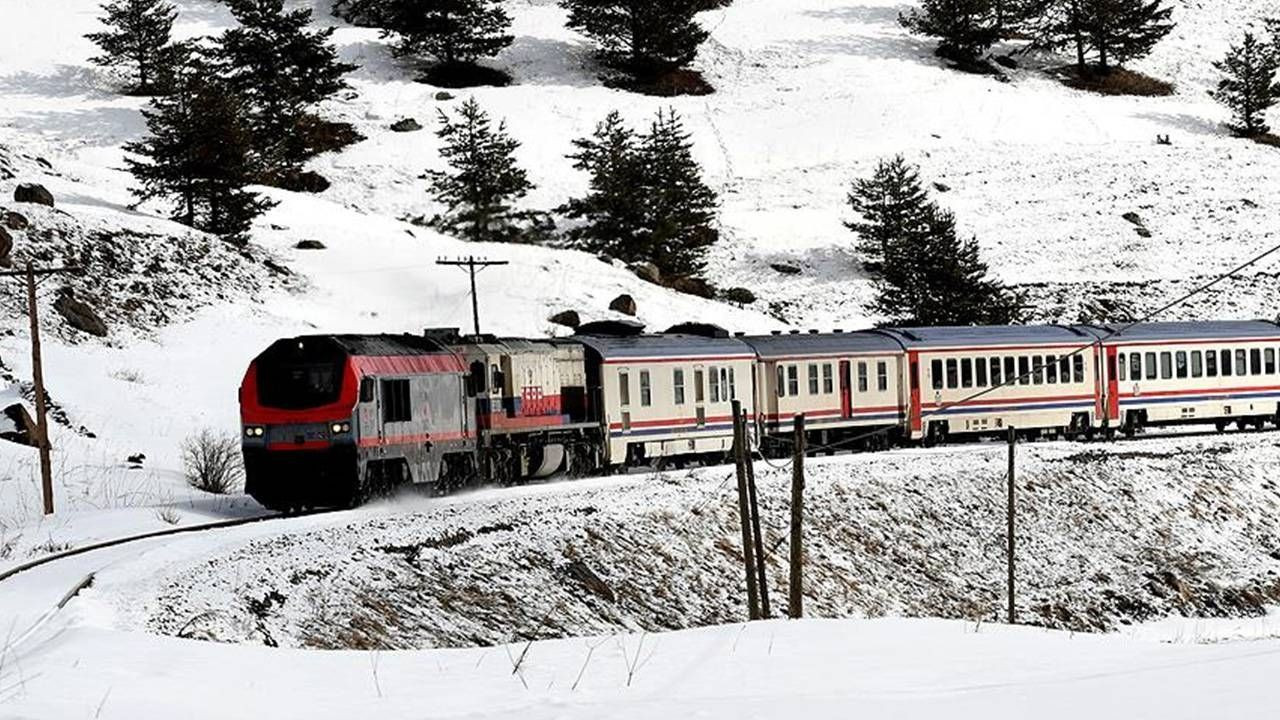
(340, 427)
(254, 431)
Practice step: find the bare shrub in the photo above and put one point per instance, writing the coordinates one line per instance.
(129, 375)
(211, 461)
(168, 515)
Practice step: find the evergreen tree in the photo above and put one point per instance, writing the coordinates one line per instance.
(137, 38)
(483, 178)
(680, 210)
(281, 69)
(199, 155)
(644, 38)
(612, 219)
(454, 32)
(891, 204)
(965, 28)
(1248, 86)
(1112, 31)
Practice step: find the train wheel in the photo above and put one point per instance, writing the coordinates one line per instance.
(1242, 424)
(1221, 425)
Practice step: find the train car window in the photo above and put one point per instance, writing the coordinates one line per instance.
(813, 379)
(1024, 370)
(478, 376)
(624, 388)
(1051, 369)
(646, 392)
(995, 371)
(793, 380)
(1135, 366)
(1255, 361)
(726, 384)
(1078, 363)
(935, 370)
(1242, 366)
(966, 372)
(828, 381)
(1166, 365)
(1010, 371)
(882, 376)
(953, 374)
(1197, 363)
(498, 380)
(1124, 367)
(782, 381)
(366, 387)
(1181, 363)
(715, 385)
(1037, 362)
(697, 386)
(1211, 363)
(396, 406)
(1226, 364)
(1153, 371)
(1064, 368)
(862, 377)
(677, 386)
(1270, 354)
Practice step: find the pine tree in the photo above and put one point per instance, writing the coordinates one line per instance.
(483, 178)
(680, 210)
(281, 69)
(199, 155)
(1112, 31)
(612, 219)
(138, 39)
(891, 204)
(965, 28)
(643, 38)
(1249, 86)
(454, 32)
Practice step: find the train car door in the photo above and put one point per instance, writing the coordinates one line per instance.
(1113, 385)
(917, 422)
(846, 389)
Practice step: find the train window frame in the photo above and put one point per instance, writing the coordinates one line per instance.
(1242, 362)
(367, 388)
(699, 391)
(1135, 366)
(828, 379)
(862, 376)
(1255, 361)
(996, 375)
(733, 386)
(882, 376)
(1077, 362)
(1166, 365)
(1122, 364)
(624, 388)
(935, 372)
(397, 400)
(1228, 368)
(677, 385)
(953, 374)
(646, 389)
(1211, 363)
(1037, 369)
(812, 372)
(1051, 369)
(1064, 369)
(1010, 370)
(1197, 363)
(716, 394)
(1024, 370)
(1180, 367)
(1269, 361)
(966, 372)
(1153, 366)
(782, 380)
(793, 380)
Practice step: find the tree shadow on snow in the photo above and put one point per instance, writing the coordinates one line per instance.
(93, 126)
(864, 14)
(544, 61)
(1186, 123)
(66, 82)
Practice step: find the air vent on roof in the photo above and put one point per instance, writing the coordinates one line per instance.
(795, 332)
(706, 330)
(442, 335)
(739, 334)
(775, 332)
(813, 332)
(838, 331)
(611, 328)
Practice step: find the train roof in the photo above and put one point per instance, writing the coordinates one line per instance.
(811, 344)
(989, 336)
(385, 345)
(1190, 330)
(667, 345)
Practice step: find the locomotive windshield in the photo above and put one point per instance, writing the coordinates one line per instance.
(301, 373)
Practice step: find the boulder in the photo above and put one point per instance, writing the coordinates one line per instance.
(785, 269)
(1134, 218)
(1142, 232)
(307, 181)
(79, 314)
(567, 318)
(137, 458)
(16, 221)
(406, 125)
(309, 245)
(6, 247)
(942, 187)
(33, 193)
(624, 304)
(647, 271)
(739, 295)
(21, 427)
(442, 95)
(1006, 61)
(694, 286)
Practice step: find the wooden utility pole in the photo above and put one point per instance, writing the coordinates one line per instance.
(797, 521)
(1009, 516)
(473, 265)
(757, 537)
(744, 512)
(37, 377)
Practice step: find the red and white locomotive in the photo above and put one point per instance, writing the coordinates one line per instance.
(330, 419)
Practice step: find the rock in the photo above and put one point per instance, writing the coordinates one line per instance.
(1006, 61)
(941, 187)
(6, 247)
(785, 269)
(24, 427)
(624, 304)
(606, 259)
(79, 314)
(1134, 218)
(694, 286)
(647, 271)
(307, 181)
(18, 221)
(567, 318)
(137, 458)
(309, 245)
(442, 96)
(740, 295)
(33, 193)
(406, 125)
(1142, 232)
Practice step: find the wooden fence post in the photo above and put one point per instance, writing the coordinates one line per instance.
(757, 536)
(797, 521)
(744, 512)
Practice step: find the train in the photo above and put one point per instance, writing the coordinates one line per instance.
(333, 420)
